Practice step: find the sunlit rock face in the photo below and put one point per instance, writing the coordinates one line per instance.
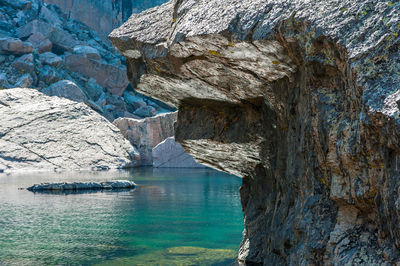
(103, 16)
(43, 133)
(297, 97)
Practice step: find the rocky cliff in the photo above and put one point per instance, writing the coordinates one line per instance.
(301, 99)
(103, 16)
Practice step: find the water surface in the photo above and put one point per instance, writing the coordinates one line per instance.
(174, 217)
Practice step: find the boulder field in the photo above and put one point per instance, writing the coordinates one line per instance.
(300, 99)
(41, 46)
(39, 132)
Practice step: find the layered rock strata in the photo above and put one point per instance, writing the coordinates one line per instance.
(300, 98)
(38, 132)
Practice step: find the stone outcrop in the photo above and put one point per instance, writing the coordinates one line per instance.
(38, 132)
(40, 46)
(103, 16)
(107, 185)
(300, 98)
(145, 134)
(170, 154)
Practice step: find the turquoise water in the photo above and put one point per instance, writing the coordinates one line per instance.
(174, 217)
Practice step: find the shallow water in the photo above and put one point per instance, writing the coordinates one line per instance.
(174, 217)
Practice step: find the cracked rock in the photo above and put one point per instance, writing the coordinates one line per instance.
(38, 132)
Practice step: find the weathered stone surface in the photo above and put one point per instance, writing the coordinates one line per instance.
(114, 184)
(109, 76)
(87, 51)
(38, 132)
(145, 134)
(40, 42)
(103, 16)
(48, 58)
(66, 89)
(170, 154)
(24, 81)
(24, 64)
(34, 27)
(14, 46)
(297, 97)
(48, 36)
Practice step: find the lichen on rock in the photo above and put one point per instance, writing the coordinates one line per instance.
(300, 98)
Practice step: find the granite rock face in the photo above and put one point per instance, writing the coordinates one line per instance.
(300, 98)
(145, 134)
(170, 154)
(103, 16)
(38, 132)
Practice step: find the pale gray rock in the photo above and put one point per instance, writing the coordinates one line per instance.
(66, 89)
(145, 111)
(297, 97)
(49, 16)
(93, 89)
(87, 51)
(40, 42)
(103, 16)
(24, 64)
(49, 75)
(62, 40)
(48, 58)
(38, 132)
(10, 45)
(145, 134)
(170, 154)
(111, 77)
(136, 101)
(34, 27)
(24, 81)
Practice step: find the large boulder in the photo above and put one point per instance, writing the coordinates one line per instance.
(170, 154)
(40, 42)
(48, 58)
(24, 64)
(301, 99)
(38, 132)
(145, 134)
(87, 51)
(66, 89)
(108, 76)
(10, 45)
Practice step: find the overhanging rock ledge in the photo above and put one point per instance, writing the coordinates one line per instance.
(297, 97)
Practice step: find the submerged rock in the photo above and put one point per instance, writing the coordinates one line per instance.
(297, 97)
(115, 184)
(38, 132)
